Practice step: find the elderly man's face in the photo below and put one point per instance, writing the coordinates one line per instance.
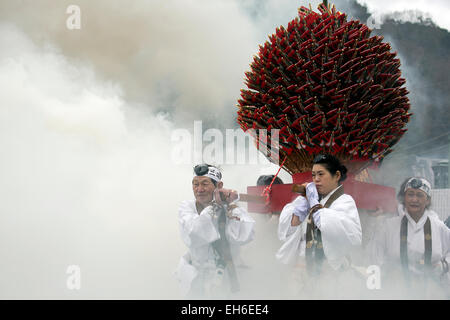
(203, 188)
(416, 201)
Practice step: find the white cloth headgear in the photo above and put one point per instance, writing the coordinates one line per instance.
(214, 174)
(419, 183)
(209, 171)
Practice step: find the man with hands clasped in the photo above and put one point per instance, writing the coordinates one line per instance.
(213, 227)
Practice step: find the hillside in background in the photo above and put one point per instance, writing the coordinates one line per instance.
(424, 52)
(423, 49)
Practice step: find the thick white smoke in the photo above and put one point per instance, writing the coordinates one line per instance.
(410, 11)
(167, 54)
(83, 182)
(87, 180)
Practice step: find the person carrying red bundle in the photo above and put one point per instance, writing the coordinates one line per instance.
(213, 227)
(321, 229)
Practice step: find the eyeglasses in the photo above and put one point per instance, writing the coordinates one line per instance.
(201, 169)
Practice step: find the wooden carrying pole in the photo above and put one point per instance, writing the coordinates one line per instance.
(245, 197)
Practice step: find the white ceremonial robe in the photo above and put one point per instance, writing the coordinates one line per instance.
(293, 238)
(385, 251)
(198, 232)
(341, 235)
(339, 225)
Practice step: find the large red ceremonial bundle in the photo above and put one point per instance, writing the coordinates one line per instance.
(330, 88)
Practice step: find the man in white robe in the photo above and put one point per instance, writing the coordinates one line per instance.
(198, 271)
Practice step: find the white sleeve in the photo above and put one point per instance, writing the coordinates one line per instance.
(378, 245)
(445, 241)
(240, 231)
(340, 227)
(438, 267)
(196, 229)
(285, 230)
(291, 236)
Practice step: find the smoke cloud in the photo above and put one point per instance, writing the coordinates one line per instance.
(80, 181)
(410, 11)
(171, 56)
(87, 180)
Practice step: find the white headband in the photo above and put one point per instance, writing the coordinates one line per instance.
(213, 173)
(419, 183)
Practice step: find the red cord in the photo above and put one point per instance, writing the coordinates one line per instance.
(268, 189)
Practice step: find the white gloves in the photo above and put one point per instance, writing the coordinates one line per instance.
(301, 208)
(313, 199)
(311, 194)
(302, 205)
